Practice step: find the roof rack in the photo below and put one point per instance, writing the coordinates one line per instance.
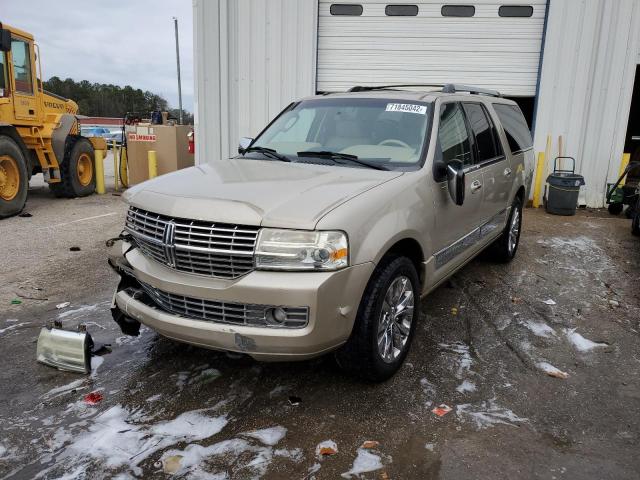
(364, 88)
(455, 88)
(447, 88)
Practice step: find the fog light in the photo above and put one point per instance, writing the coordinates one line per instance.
(276, 315)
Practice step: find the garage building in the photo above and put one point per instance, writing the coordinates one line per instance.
(571, 65)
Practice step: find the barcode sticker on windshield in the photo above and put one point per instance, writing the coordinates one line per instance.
(407, 107)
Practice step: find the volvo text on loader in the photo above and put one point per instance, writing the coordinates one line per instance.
(39, 131)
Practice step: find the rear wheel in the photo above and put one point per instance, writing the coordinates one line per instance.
(505, 247)
(14, 183)
(615, 208)
(385, 322)
(77, 172)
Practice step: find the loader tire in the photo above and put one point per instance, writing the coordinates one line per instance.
(14, 178)
(77, 172)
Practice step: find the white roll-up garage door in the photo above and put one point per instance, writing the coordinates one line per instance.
(494, 44)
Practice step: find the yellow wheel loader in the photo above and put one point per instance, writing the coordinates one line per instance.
(39, 131)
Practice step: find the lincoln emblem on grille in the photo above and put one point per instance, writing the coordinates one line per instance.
(168, 240)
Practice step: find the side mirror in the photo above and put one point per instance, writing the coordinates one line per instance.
(244, 144)
(455, 181)
(5, 40)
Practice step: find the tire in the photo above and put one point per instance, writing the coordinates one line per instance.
(77, 171)
(504, 249)
(615, 208)
(14, 178)
(361, 356)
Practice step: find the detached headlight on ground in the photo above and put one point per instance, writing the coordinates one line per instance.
(301, 250)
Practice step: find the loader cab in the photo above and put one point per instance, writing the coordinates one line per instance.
(18, 74)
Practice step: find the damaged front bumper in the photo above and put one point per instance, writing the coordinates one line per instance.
(319, 308)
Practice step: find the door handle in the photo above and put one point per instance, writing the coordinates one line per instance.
(507, 172)
(475, 186)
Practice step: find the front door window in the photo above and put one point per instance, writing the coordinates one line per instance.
(21, 66)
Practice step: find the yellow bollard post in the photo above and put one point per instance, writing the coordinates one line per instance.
(625, 161)
(114, 149)
(537, 186)
(99, 163)
(153, 164)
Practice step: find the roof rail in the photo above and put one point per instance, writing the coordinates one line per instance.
(363, 88)
(455, 88)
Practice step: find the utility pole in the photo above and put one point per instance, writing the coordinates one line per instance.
(175, 24)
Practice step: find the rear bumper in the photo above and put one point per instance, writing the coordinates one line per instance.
(332, 298)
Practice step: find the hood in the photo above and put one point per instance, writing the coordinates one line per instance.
(255, 192)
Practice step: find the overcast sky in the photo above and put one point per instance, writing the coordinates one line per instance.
(120, 42)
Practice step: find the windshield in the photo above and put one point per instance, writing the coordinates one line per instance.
(389, 133)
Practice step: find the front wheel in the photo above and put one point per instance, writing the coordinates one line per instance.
(385, 322)
(505, 247)
(14, 180)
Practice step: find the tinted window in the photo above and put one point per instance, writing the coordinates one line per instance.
(453, 137)
(515, 127)
(515, 11)
(21, 66)
(401, 10)
(458, 10)
(345, 9)
(483, 131)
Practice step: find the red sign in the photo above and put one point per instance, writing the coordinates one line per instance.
(136, 137)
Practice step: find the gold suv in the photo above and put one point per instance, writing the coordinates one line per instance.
(327, 228)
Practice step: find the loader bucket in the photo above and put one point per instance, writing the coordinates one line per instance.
(70, 351)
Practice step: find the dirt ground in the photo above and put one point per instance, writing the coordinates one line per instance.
(570, 301)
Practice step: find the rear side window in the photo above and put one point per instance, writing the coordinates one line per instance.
(453, 136)
(515, 127)
(352, 9)
(486, 141)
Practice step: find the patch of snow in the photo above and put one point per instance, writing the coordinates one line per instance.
(117, 439)
(364, 462)
(326, 444)
(466, 386)
(487, 414)
(580, 343)
(463, 358)
(430, 446)
(268, 436)
(540, 329)
(427, 387)
(95, 365)
(11, 320)
(12, 327)
(295, 454)
(73, 475)
(154, 398)
(3, 450)
(549, 302)
(551, 370)
(76, 311)
(56, 392)
(314, 469)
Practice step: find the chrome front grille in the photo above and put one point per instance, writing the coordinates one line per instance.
(214, 249)
(226, 312)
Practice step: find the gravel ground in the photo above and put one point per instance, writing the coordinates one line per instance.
(486, 342)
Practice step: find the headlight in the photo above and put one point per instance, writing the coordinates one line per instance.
(301, 250)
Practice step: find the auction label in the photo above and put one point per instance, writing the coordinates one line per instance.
(407, 107)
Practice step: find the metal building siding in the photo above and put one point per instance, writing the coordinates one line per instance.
(253, 57)
(586, 86)
(485, 50)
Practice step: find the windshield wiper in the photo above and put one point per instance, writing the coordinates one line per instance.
(268, 152)
(341, 156)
